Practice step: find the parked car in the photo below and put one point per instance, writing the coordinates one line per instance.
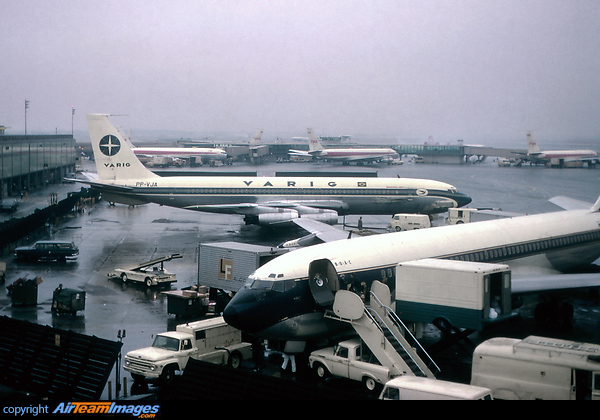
(47, 250)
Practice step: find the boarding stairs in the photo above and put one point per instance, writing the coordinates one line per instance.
(383, 332)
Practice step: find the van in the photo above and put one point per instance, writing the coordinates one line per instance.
(537, 368)
(402, 221)
(419, 388)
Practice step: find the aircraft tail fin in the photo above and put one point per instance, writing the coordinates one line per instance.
(532, 147)
(313, 142)
(257, 137)
(113, 154)
(596, 206)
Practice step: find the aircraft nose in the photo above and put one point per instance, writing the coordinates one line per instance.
(462, 199)
(230, 315)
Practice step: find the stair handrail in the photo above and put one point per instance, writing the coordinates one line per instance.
(400, 324)
(374, 316)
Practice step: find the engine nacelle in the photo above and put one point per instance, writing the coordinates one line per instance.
(325, 216)
(279, 217)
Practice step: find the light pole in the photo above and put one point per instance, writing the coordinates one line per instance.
(26, 106)
(72, 116)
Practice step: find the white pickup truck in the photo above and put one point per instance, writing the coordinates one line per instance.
(346, 359)
(210, 340)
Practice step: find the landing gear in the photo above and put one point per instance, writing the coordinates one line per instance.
(554, 312)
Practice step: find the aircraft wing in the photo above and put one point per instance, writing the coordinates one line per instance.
(554, 282)
(323, 231)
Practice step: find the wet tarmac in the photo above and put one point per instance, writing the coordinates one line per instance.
(110, 237)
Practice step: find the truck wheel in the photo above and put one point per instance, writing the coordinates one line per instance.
(235, 360)
(369, 383)
(398, 228)
(138, 378)
(167, 375)
(321, 371)
(148, 282)
(124, 277)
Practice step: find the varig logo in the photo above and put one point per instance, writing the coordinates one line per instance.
(422, 192)
(110, 145)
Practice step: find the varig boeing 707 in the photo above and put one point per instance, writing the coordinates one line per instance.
(262, 200)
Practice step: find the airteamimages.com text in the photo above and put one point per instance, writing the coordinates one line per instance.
(142, 411)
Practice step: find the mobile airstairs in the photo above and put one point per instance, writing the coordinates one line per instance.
(383, 332)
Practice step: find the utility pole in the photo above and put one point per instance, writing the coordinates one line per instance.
(26, 106)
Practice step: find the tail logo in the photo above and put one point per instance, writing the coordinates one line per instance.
(110, 145)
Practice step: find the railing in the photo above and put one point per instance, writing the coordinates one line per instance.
(400, 325)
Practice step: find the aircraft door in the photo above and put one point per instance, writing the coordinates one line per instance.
(323, 282)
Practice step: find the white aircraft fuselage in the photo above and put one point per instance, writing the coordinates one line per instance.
(277, 301)
(206, 153)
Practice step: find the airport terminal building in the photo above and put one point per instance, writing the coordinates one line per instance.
(28, 162)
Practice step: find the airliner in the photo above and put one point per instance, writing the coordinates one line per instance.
(262, 200)
(283, 299)
(346, 155)
(204, 154)
(535, 155)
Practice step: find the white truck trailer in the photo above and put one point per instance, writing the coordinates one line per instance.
(211, 340)
(537, 368)
(467, 294)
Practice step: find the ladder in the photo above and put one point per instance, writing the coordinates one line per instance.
(383, 332)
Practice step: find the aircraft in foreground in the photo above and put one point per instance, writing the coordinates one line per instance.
(557, 157)
(283, 299)
(345, 155)
(261, 200)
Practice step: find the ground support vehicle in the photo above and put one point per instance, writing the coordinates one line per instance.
(537, 368)
(382, 332)
(418, 388)
(457, 216)
(465, 294)
(24, 292)
(8, 206)
(148, 272)
(47, 250)
(227, 265)
(348, 359)
(65, 300)
(402, 221)
(211, 340)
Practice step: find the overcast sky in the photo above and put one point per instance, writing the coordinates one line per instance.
(468, 69)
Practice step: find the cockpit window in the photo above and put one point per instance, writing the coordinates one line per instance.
(262, 284)
(276, 286)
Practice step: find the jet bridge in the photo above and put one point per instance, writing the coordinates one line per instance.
(383, 332)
